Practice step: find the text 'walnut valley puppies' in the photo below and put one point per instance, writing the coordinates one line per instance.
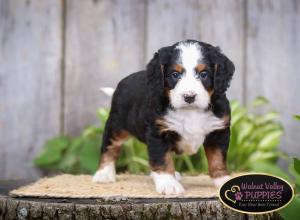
(177, 104)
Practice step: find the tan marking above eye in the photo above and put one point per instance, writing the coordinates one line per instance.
(178, 68)
(200, 67)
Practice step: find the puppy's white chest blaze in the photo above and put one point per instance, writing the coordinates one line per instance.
(192, 126)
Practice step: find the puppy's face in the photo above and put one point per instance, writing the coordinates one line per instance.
(188, 77)
(188, 74)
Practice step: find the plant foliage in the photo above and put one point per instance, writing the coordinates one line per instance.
(254, 142)
(292, 210)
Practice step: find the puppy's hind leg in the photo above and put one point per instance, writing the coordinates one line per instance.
(110, 150)
(216, 145)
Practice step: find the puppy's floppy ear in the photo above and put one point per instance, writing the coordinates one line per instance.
(223, 69)
(155, 79)
(164, 55)
(156, 67)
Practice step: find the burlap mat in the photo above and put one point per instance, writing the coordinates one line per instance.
(129, 186)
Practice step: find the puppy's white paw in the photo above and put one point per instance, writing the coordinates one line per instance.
(107, 174)
(166, 184)
(219, 181)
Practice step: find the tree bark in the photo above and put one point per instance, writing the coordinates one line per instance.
(37, 208)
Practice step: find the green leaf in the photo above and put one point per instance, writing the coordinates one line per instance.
(297, 165)
(292, 210)
(270, 116)
(236, 117)
(270, 140)
(261, 131)
(68, 163)
(102, 114)
(91, 131)
(76, 145)
(296, 176)
(89, 155)
(259, 101)
(244, 132)
(188, 163)
(297, 117)
(141, 161)
(52, 151)
(262, 156)
(271, 169)
(234, 105)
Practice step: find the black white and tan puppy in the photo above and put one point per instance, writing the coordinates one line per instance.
(177, 104)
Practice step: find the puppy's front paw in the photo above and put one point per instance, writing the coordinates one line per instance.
(219, 181)
(107, 174)
(166, 184)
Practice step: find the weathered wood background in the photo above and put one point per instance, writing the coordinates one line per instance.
(56, 54)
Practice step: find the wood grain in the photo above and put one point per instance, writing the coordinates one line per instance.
(273, 48)
(30, 60)
(104, 43)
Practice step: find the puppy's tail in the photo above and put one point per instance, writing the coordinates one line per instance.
(108, 91)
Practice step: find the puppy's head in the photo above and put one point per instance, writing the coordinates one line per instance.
(189, 73)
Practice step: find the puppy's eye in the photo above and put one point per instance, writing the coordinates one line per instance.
(176, 75)
(202, 75)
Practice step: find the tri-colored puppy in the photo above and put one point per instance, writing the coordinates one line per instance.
(177, 104)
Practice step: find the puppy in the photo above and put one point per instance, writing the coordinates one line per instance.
(177, 104)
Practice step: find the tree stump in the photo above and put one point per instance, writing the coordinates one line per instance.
(117, 208)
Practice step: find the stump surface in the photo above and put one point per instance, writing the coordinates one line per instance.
(114, 208)
(126, 186)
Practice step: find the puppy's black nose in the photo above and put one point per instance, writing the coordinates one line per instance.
(190, 98)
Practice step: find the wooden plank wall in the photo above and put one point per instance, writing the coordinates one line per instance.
(55, 55)
(30, 65)
(104, 42)
(272, 61)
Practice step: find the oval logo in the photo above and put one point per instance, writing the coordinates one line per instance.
(256, 193)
